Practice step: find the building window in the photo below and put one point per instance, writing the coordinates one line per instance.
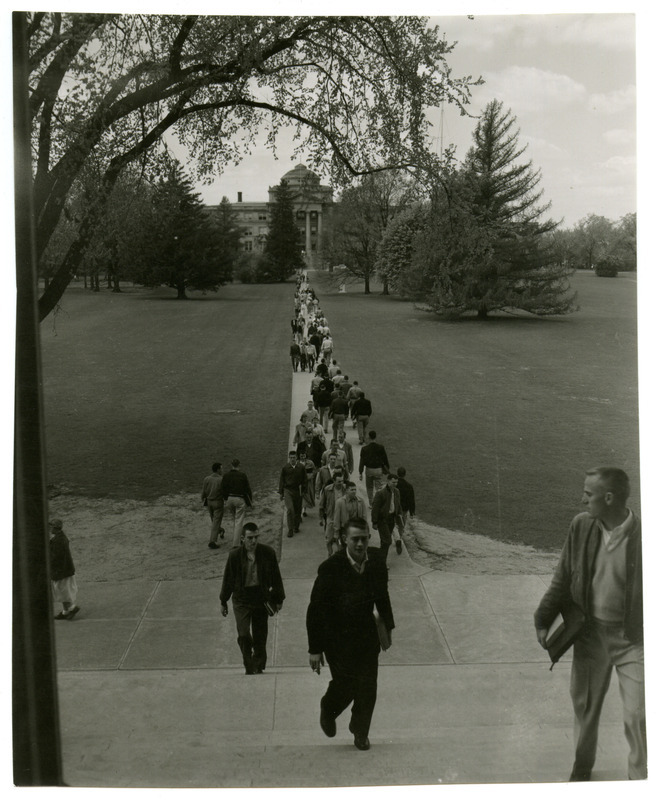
(261, 216)
(248, 232)
(248, 246)
(300, 215)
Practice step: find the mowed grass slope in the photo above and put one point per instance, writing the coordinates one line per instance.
(136, 387)
(496, 421)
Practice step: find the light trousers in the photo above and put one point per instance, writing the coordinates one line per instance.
(596, 652)
(235, 507)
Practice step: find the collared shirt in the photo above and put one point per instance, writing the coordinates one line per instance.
(212, 487)
(614, 538)
(357, 567)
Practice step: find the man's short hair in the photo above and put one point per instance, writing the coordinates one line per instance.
(372, 434)
(391, 475)
(338, 472)
(345, 377)
(235, 462)
(292, 452)
(215, 466)
(356, 522)
(348, 484)
(332, 455)
(615, 480)
(401, 472)
(334, 441)
(249, 526)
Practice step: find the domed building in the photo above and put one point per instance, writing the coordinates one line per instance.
(313, 210)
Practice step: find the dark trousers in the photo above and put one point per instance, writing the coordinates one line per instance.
(293, 508)
(355, 683)
(385, 528)
(252, 630)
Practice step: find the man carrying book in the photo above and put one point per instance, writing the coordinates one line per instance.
(600, 573)
(252, 578)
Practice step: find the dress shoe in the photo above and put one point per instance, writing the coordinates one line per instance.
(399, 546)
(328, 724)
(61, 615)
(72, 612)
(213, 546)
(222, 533)
(361, 742)
(290, 534)
(579, 776)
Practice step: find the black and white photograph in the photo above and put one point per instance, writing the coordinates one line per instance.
(326, 437)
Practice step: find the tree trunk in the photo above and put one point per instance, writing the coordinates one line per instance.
(116, 288)
(85, 280)
(95, 279)
(482, 312)
(109, 280)
(385, 286)
(367, 290)
(182, 295)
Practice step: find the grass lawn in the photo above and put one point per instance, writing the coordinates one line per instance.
(140, 388)
(496, 421)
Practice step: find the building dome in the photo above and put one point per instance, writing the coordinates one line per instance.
(300, 175)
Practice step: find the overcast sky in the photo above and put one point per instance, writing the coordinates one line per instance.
(570, 81)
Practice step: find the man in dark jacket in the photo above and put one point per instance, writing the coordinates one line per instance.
(361, 411)
(341, 625)
(252, 578)
(386, 515)
(600, 571)
(237, 496)
(373, 462)
(407, 492)
(293, 482)
(338, 412)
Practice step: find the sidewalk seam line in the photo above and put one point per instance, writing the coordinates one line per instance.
(138, 626)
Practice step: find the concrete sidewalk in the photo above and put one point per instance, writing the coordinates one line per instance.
(152, 691)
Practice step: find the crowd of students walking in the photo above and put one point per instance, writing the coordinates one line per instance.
(320, 472)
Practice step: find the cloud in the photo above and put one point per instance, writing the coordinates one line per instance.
(610, 31)
(531, 90)
(613, 102)
(619, 165)
(619, 136)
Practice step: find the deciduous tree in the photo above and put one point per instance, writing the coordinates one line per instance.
(109, 87)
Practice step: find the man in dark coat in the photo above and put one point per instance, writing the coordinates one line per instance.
(293, 481)
(252, 578)
(341, 626)
(386, 515)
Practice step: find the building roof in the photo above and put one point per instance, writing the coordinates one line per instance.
(300, 175)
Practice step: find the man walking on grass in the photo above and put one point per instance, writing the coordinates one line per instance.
(252, 578)
(237, 496)
(212, 497)
(600, 572)
(341, 626)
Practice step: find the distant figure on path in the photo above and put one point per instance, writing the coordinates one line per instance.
(386, 515)
(330, 494)
(237, 496)
(252, 578)
(348, 507)
(600, 572)
(341, 625)
(407, 492)
(338, 412)
(347, 449)
(292, 485)
(295, 353)
(307, 500)
(373, 461)
(62, 571)
(212, 497)
(361, 412)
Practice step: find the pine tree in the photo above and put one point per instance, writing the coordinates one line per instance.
(180, 248)
(486, 248)
(520, 271)
(283, 249)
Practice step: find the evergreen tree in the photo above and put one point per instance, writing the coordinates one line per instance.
(227, 235)
(487, 249)
(283, 249)
(180, 248)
